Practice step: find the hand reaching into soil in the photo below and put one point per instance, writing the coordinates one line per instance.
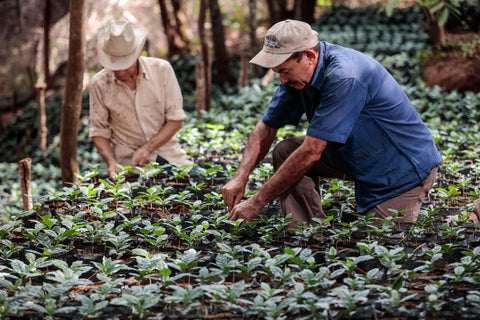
(246, 210)
(140, 157)
(233, 192)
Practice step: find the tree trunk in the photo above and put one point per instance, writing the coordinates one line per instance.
(166, 26)
(205, 52)
(243, 74)
(46, 41)
(72, 101)
(218, 37)
(305, 10)
(436, 33)
(175, 43)
(200, 87)
(252, 26)
(277, 10)
(42, 117)
(19, 14)
(177, 13)
(24, 169)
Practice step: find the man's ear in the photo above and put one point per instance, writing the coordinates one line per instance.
(310, 54)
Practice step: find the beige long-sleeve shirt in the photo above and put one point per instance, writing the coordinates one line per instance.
(130, 118)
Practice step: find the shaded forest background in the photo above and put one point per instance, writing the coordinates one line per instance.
(172, 31)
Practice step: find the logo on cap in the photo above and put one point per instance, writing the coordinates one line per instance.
(271, 42)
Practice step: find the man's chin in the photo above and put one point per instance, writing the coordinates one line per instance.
(297, 85)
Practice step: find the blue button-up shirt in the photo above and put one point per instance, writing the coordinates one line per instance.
(373, 131)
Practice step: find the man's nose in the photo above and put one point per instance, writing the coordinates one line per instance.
(283, 79)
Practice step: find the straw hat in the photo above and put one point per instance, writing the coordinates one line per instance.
(120, 44)
(282, 40)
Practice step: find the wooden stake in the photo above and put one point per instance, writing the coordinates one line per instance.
(24, 168)
(200, 87)
(42, 118)
(243, 75)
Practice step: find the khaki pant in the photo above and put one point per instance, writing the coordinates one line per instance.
(304, 201)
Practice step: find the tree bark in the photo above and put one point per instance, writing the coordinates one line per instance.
(176, 45)
(200, 88)
(277, 10)
(436, 33)
(305, 10)
(166, 26)
(221, 57)
(243, 74)
(72, 101)
(205, 52)
(42, 117)
(252, 27)
(24, 169)
(177, 13)
(46, 41)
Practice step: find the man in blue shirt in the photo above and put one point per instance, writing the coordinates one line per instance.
(362, 126)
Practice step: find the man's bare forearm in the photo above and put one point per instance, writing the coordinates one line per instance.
(291, 171)
(256, 149)
(163, 135)
(142, 155)
(105, 150)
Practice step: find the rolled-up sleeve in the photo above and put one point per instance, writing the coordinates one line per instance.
(99, 114)
(173, 96)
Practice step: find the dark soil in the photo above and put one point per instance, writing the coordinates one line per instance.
(456, 64)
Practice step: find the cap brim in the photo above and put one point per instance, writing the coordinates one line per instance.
(270, 60)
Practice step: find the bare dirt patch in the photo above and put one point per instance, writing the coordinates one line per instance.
(456, 65)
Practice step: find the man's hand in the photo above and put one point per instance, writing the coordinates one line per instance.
(246, 210)
(105, 150)
(141, 157)
(233, 192)
(113, 169)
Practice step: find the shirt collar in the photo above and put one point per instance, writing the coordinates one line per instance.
(318, 75)
(142, 70)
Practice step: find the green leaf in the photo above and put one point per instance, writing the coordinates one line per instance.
(141, 252)
(436, 7)
(18, 266)
(165, 272)
(442, 20)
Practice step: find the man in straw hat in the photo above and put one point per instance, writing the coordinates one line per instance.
(361, 126)
(136, 106)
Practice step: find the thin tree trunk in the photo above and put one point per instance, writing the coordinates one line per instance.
(277, 10)
(46, 41)
(205, 52)
(24, 169)
(200, 88)
(176, 45)
(305, 10)
(436, 33)
(177, 13)
(221, 57)
(42, 117)
(252, 26)
(243, 74)
(166, 26)
(18, 9)
(72, 102)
